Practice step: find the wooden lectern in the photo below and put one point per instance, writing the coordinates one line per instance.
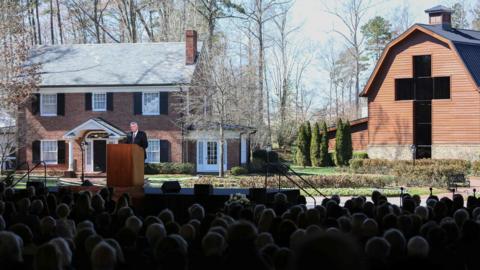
(125, 165)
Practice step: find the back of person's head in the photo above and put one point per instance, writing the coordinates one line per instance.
(126, 237)
(266, 220)
(86, 224)
(103, 257)
(196, 211)
(118, 250)
(220, 230)
(64, 251)
(91, 242)
(134, 223)
(297, 237)
(257, 211)
(213, 244)
(23, 205)
(422, 211)
(155, 232)
(397, 241)
(23, 231)
(10, 247)
(263, 239)
(187, 231)
(242, 234)
(377, 248)
(3, 225)
(460, 216)
(418, 247)
(63, 210)
(345, 224)
(48, 257)
(280, 198)
(313, 230)
(37, 207)
(149, 220)
(282, 258)
(171, 252)
(369, 227)
(81, 236)
(334, 250)
(98, 203)
(166, 215)
(48, 226)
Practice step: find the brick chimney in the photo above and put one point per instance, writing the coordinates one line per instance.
(440, 15)
(190, 47)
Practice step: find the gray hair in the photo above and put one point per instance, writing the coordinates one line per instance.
(155, 233)
(103, 256)
(377, 247)
(418, 246)
(10, 246)
(213, 244)
(64, 250)
(133, 124)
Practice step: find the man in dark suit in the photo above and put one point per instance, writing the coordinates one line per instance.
(138, 137)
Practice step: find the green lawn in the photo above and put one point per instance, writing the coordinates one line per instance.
(389, 192)
(315, 170)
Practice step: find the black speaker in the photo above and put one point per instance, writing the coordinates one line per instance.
(258, 195)
(202, 189)
(39, 186)
(171, 187)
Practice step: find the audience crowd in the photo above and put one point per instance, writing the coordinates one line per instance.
(91, 231)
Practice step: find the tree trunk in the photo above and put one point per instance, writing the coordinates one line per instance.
(59, 22)
(52, 32)
(38, 23)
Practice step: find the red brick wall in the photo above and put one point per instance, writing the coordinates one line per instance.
(359, 137)
(157, 127)
(233, 152)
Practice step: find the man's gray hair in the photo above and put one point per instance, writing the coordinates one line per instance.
(133, 124)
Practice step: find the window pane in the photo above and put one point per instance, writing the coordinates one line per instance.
(422, 66)
(49, 104)
(441, 88)
(153, 151)
(99, 102)
(403, 89)
(423, 88)
(211, 152)
(49, 151)
(151, 103)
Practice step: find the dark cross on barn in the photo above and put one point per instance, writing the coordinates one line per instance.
(422, 89)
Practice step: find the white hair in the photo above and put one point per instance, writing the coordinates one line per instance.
(213, 244)
(155, 232)
(134, 224)
(64, 250)
(10, 246)
(417, 246)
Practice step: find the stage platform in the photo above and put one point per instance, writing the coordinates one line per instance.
(150, 201)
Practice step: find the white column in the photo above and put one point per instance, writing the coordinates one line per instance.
(70, 155)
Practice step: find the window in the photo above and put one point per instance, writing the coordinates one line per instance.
(49, 151)
(151, 103)
(422, 66)
(423, 88)
(441, 88)
(153, 151)
(211, 153)
(404, 89)
(48, 105)
(99, 102)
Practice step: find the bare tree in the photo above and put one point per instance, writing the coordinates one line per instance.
(401, 19)
(17, 78)
(352, 13)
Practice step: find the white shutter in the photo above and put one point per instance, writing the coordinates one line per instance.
(225, 153)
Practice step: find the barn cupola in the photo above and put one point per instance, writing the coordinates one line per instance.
(440, 15)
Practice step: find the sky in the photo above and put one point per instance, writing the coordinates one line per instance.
(317, 25)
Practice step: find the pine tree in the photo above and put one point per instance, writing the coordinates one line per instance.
(339, 144)
(315, 146)
(308, 137)
(324, 156)
(301, 143)
(348, 147)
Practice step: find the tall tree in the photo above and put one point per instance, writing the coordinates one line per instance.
(459, 16)
(339, 144)
(377, 33)
(351, 15)
(308, 136)
(324, 155)
(302, 153)
(315, 146)
(348, 147)
(402, 19)
(476, 16)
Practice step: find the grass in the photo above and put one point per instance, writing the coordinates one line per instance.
(165, 177)
(315, 170)
(389, 192)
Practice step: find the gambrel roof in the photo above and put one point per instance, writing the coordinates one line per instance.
(465, 43)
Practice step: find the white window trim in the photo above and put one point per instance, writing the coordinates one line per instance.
(143, 102)
(41, 152)
(159, 152)
(93, 102)
(41, 105)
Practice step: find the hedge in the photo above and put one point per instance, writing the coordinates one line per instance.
(237, 170)
(425, 172)
(318, 181)
(169, 168)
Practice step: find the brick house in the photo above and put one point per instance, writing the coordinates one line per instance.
(423, 94)
(89, 93)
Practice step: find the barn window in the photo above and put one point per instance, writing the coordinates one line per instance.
(441, 88)
(422, 66)
(404, 89)
(423, 88)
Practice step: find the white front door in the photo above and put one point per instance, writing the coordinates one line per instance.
(208, 156)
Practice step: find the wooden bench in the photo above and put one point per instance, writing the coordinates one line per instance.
(456, 180)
